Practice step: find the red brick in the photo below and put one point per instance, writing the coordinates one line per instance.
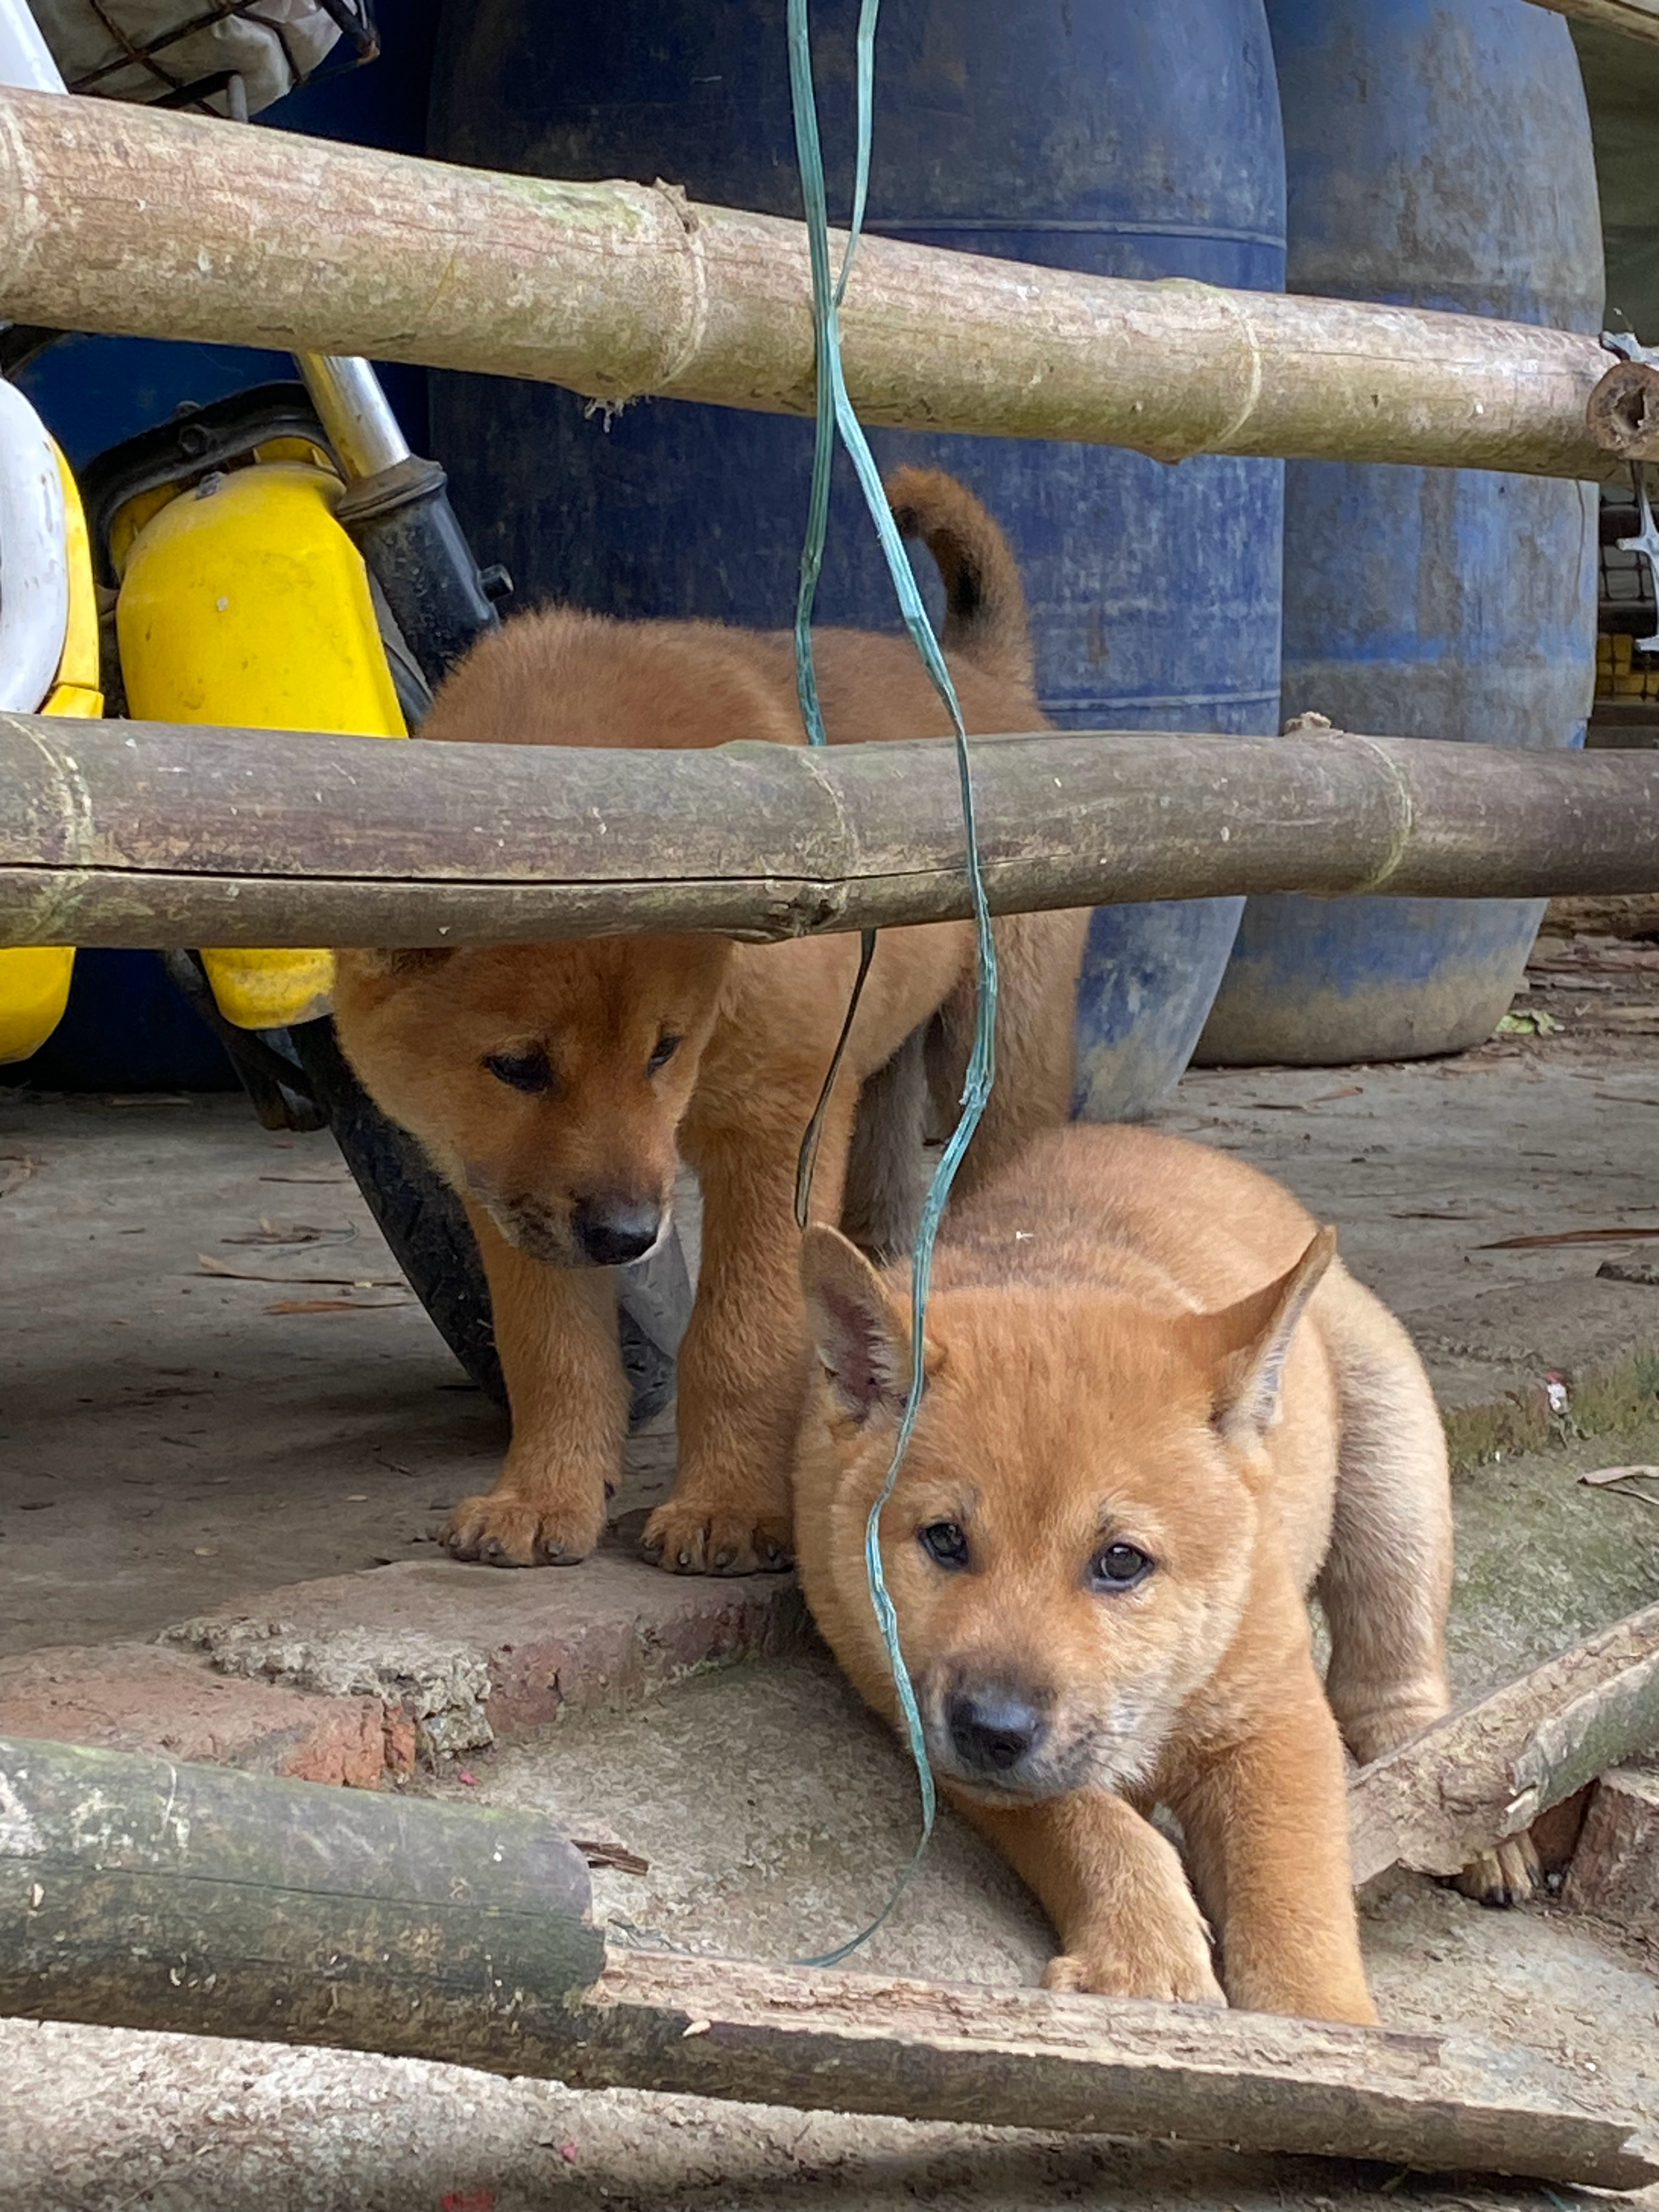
(604, 1634)
(607, 1632)
(398, 1732)
(145, 1697)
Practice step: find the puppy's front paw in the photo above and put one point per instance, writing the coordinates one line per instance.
(689, 1537)
(1163, 1955)
(1508, 1875)
(503, 1530)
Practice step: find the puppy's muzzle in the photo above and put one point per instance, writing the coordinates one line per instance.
(996, 1731)
(610, 1230)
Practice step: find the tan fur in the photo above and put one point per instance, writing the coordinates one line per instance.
(1132, 1340)
(756, 1026)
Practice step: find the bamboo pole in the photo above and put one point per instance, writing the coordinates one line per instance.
(136, 1893)
(151, 834)
(1637, 19)
(137, 222)
(1623, 411)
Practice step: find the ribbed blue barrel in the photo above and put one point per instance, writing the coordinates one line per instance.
(1438, 156)
(127, 1027)
(1137, 142)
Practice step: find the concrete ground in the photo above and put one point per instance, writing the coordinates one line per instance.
(178, 1449)
(178, 1438)
(98, 2120)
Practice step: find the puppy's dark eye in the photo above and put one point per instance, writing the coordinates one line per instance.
(1118, 1567)
(945, 1543)
(666, 1047)
(521, 1070)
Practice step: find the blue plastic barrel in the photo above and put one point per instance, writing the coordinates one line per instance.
(1137, 142)
(1438, 156)
(127, 1027)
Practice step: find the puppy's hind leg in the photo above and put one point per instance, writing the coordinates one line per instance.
(1386, 1586)
(887, 1168)
(1385, 1583)
(1038, 956)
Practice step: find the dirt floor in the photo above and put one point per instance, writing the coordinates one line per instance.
(181, 1439)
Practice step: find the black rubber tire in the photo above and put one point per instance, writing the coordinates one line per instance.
(424, 1221)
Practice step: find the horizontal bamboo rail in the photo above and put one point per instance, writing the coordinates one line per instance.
(135, 222)
(151, 834)
(1637, 19)
(137, 1892)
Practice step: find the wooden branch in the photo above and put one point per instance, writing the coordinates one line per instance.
(1024, 2059)
(135, 1893)
(145, 833)
(1615, 1871)
(137, 222)
(1637, 19)
(1488, 1771)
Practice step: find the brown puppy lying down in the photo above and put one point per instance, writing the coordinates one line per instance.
(1159, 1412)
(556, 1087)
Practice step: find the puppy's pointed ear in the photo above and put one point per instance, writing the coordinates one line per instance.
(862, 1340)
(1246, 1344)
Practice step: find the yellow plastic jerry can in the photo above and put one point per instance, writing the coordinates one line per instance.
(243, 602)
(34, 979)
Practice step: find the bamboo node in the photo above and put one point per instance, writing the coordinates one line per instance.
(1402, 812)
(679, 359)
(1218, 436)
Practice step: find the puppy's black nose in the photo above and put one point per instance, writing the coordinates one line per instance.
(993, 1729)
(611, 1231)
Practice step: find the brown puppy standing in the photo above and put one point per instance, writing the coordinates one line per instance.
(557, 1085)
(1158, 1413)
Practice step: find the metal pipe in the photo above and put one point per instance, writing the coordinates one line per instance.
(355, 412)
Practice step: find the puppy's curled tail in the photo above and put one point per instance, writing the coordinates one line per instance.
(985, 601)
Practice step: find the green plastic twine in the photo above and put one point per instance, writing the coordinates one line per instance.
(811, 553)
(835, 413)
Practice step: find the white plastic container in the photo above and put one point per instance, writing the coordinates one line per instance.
(33, 563)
